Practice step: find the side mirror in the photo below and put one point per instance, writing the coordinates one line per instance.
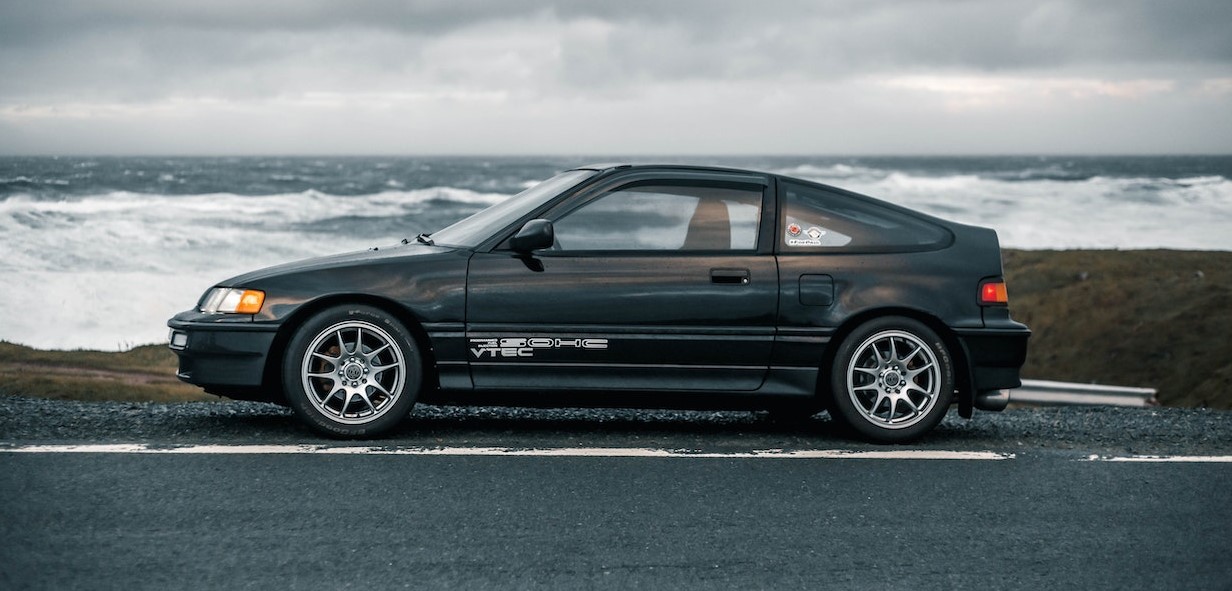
(536, 234)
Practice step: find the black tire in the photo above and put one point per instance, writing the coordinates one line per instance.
(892, 380)
(352, 371)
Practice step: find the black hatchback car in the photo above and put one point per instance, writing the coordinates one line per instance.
(633, 286)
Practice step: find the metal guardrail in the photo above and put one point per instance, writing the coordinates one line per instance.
(1049, 393)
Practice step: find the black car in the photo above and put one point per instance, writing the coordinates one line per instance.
(634, 286)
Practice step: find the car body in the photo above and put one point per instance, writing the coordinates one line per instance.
(634, 286)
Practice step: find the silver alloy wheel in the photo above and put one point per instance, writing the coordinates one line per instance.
(893, 379)
(353, 372)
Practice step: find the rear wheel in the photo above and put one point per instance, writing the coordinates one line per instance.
(352, 371)
(892, 380)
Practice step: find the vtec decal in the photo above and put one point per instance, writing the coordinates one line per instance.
(526, 346)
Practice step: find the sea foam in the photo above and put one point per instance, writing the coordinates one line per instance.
(106, 270)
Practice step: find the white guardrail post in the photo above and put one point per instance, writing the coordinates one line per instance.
(1049, 393)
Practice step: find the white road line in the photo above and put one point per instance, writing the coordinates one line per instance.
(574, 452)
(1160, 459)
(590, 452)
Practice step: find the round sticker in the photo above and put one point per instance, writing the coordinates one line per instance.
(793, 229)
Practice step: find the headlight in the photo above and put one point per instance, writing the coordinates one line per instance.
(226, 300)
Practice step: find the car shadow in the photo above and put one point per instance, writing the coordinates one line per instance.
(517, 427)
(523, 427)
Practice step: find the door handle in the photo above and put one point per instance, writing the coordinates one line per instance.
(730, 276)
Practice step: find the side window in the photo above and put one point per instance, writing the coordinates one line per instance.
(817, 219)
(658, 217)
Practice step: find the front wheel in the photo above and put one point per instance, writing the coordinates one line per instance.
(892, 380)
(352, 371)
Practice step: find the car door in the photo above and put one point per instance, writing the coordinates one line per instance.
(656, 281)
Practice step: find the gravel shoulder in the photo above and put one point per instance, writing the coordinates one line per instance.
(1077, 430)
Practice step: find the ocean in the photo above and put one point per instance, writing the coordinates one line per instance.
(98, 252)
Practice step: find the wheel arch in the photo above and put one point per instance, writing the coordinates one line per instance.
(958, 353)
(272, 376)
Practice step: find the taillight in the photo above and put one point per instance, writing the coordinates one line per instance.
(993, 293)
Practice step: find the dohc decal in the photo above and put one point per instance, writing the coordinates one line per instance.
(526, 346)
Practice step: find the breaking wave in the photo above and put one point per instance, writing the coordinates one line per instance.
(90, 265)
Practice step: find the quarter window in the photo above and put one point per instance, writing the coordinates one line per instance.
(664, 218)
(818, 219)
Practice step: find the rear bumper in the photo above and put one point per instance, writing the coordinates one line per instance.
(994, 356)
(225, 358)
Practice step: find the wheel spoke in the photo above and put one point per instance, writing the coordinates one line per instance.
(332, 392)
(342, 348)
(363, 395)
(893, 351)
(380, 368)
(872, 410)
(333, 360)
(916, 387)
(378, 386)
(912, 373)
(915, 410)
(377, 351)
(914, 352)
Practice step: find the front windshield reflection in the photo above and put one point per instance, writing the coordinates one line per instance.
(469, 232)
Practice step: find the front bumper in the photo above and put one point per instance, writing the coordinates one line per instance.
(223, 355)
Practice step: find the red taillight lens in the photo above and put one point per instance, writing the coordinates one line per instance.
(993, 292)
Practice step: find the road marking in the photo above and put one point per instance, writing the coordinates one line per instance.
(573, 452)
(588, 452)
(1157, 459)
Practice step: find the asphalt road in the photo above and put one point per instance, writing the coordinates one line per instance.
(1045, 516)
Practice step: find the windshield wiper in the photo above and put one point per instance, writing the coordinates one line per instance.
(426, 239)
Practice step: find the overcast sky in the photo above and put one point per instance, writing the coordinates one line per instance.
(614, 77)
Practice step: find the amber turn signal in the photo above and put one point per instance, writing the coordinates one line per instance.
(250, 302)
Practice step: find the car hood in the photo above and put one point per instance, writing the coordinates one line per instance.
(335, 261)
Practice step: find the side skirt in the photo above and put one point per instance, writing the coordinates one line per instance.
(784, 387)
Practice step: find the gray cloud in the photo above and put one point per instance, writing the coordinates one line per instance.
(543, 58)
(59, 46)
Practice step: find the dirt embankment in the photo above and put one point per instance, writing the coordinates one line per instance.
(1154, 318)
(1157, 318)
(142, 374)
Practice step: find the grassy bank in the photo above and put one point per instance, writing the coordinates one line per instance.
(1157, 318)
(144, 373)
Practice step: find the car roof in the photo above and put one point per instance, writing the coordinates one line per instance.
(606, 166)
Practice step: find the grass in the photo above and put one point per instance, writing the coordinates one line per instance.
(1153, 318)
(144, 373)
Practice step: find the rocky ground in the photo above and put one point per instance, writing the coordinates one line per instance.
(1078, 429)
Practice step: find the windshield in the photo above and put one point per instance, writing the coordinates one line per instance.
(469, 232)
